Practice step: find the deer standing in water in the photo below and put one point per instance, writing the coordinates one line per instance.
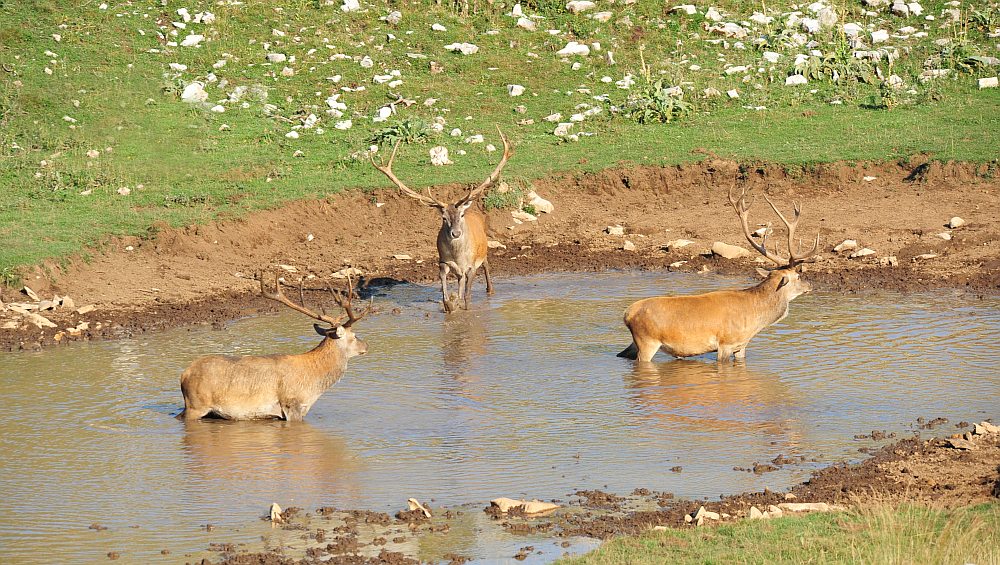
(724, 321)
(274, 386)
(461, 241)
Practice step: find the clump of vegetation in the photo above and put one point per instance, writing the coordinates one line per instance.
(408, 131)
(503, 197)
(652, 100)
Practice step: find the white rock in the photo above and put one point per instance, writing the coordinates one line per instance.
(731, 93)
(350, 6)
(494, 244)
(553, 117)
(880, 36)
(438, 27)
(944, 235)
(402, 257)
(915, 8)
(178, 67)
(276, 57)
(846, 245)
(343, 125)
(40, 321)
(93, 154)
(628, 246)
(956, 222)
(795, 80)
(439, 156)
(688, 9)
(900, 9)
(463, 48)
(677, 244)
(578, 6)
(852, 29)
(713, 15)
(292, 135)
(756, 514)
(727, 251)
(478, 138)
(383, 114)
(862, 253)
(194, 92)
(192, 40)
(761, 19)
(574, 48)
(602, 17)
(394, 17)
(287, 72)
(124, 191)
(366, 62)
(806, 506)
(924, 257)
(526, 23)
(540, 204)
(890, 261)
(809, 25)
(735, 70)
(515, 89)
(523, 216)
(827, 18)
(771, 56)
(614, 230)
(989, 82)
(218, 109)
(562, 129)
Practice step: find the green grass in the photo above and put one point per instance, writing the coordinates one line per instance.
(874, 534)
(182, 166)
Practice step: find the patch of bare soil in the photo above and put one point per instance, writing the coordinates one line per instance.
(205, 274)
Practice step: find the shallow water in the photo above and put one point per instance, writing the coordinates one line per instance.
(523, 396)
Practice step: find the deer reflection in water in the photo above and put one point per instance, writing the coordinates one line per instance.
(717, 398)
(271, 459)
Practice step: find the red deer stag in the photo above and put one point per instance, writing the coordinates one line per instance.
(461, 241)
(274, 386)
(724, 321)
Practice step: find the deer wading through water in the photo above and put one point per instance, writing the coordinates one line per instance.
(461, 241)
(724, 321)
(254, 387)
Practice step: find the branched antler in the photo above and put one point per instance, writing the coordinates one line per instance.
(386, 169)
(508, 151)
(344, 302)
(795, 257)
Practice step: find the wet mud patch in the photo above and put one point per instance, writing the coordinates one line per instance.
(205, 274)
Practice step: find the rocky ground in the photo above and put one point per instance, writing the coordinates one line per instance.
(962, 468)
(206, 274)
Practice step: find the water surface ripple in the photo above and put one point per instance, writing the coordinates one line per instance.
(522, 396)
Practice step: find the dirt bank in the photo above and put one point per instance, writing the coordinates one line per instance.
(204, 274)
(960, 468)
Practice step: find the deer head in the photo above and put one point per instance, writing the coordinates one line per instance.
(453, 214)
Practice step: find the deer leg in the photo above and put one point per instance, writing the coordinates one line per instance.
(463, 281)
(293, 412)
(470, 279)
(489, 281)
(194, 413)
(740, 354)
(444, 286)
(647, 348)
(725, 353)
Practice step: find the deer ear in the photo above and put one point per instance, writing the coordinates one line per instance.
(784, 281)
(337, 332)
(762, 272)
(320, 329)
(465, 206)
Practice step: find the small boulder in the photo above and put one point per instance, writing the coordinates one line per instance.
(846, 245)
(956, 222)
(677, 244)
(628, 246)
(727, 251)
(540, 204)
(614, 230)
(989, 82)
(756, 514)
(862, 253)
(960, 443)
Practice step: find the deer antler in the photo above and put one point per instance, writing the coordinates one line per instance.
(742, 207)
(386, 169)
(345, 302)
(278, 296)
(508, 151)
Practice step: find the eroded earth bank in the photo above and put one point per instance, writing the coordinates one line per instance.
(206, 274)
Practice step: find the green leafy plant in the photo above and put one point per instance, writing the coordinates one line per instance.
(408, 131)
(652, 101)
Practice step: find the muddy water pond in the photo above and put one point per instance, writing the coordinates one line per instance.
(522, 396)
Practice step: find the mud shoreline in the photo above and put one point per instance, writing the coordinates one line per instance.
(960, 468)
(206, 274)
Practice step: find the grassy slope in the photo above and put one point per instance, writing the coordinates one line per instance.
(878, 534)
(180, 168)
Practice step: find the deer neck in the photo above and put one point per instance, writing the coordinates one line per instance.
(327, 360)
(771, 302)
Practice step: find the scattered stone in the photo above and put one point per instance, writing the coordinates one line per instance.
(727, 251)
(47, 305)
(924, 257)
(614, 230)
(578, 6)
(40, 321)
(463, 48)
(192, 40)
(983, 428)
(944, 235)
(540, 204)
(194, 93)
(275, 513)
(515, 89)
(414, 504)
(523, 216)
(960, 443)
(628, 246)
(86, 309)
(846, 245)
(989, 82)
(402, 257)
(890, 261)
(756, 514)
(439, 156)
(880, 36)
(703, 513)
(956, 222)
(795, 80)
(30, 293)
(493, 244)
(688, 9)
(276, 57)
(574, 48)
(677, 244)
(862, 253)
(733, 93)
